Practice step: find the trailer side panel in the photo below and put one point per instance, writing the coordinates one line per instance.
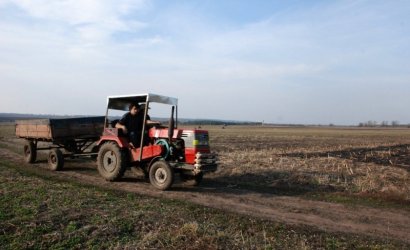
(34, 128)
(52, 129)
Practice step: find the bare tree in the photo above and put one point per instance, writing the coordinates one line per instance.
(371, 124)
(395, 123)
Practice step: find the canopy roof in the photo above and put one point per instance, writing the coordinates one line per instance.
(121, 102)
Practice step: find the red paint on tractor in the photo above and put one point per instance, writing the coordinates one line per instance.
(111, 134)
(148, 152)
(190, 154)
(163, 133)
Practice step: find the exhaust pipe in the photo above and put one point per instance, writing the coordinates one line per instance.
(171, 125)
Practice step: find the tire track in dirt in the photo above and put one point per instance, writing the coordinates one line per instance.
(331, 217)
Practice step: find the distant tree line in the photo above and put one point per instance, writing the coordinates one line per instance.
(216, 122)
(381, 124)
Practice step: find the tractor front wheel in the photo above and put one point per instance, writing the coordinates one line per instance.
(111, 161)
(161, 175)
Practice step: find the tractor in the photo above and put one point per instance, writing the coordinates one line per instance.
(163, 151)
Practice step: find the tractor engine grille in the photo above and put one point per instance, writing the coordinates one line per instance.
(205, 162)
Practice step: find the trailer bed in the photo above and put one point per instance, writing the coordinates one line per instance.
(60, 129)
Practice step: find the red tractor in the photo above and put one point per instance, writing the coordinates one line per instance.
(163, 151)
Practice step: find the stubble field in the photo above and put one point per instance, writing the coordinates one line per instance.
(349, 161)
(276, 188)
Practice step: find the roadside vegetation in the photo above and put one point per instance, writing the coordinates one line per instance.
(45, 212)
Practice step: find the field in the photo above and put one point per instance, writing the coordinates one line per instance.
(276, 188)
(366, 162)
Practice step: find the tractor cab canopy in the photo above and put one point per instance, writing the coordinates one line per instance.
(121, 102)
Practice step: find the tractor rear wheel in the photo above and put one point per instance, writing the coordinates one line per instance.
(29, 151)
(55, 159)
(161, 175)
(111, 161)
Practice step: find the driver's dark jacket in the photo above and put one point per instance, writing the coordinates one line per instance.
(134, 124)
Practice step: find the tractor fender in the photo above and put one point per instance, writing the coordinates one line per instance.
(120, 142)
(155, 159)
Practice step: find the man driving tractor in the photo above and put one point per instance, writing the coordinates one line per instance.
(132, 122)
(168, 150)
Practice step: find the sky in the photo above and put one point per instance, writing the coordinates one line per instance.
(310, 62)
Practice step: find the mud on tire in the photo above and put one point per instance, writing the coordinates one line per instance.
(111, 161)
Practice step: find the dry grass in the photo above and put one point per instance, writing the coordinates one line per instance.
(361, 161)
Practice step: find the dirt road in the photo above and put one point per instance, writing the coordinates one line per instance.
(331, 217)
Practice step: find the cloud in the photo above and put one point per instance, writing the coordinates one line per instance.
(92, 20)
(300, 62)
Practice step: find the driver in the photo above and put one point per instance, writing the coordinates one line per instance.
(132, 122)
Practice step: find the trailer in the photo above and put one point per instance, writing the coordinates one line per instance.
(63, 138)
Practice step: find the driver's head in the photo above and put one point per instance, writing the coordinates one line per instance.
(134, 107)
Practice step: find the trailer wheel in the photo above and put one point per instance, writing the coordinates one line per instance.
(111, 162)
(161, 175)
(30, 151)
(56, 159)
